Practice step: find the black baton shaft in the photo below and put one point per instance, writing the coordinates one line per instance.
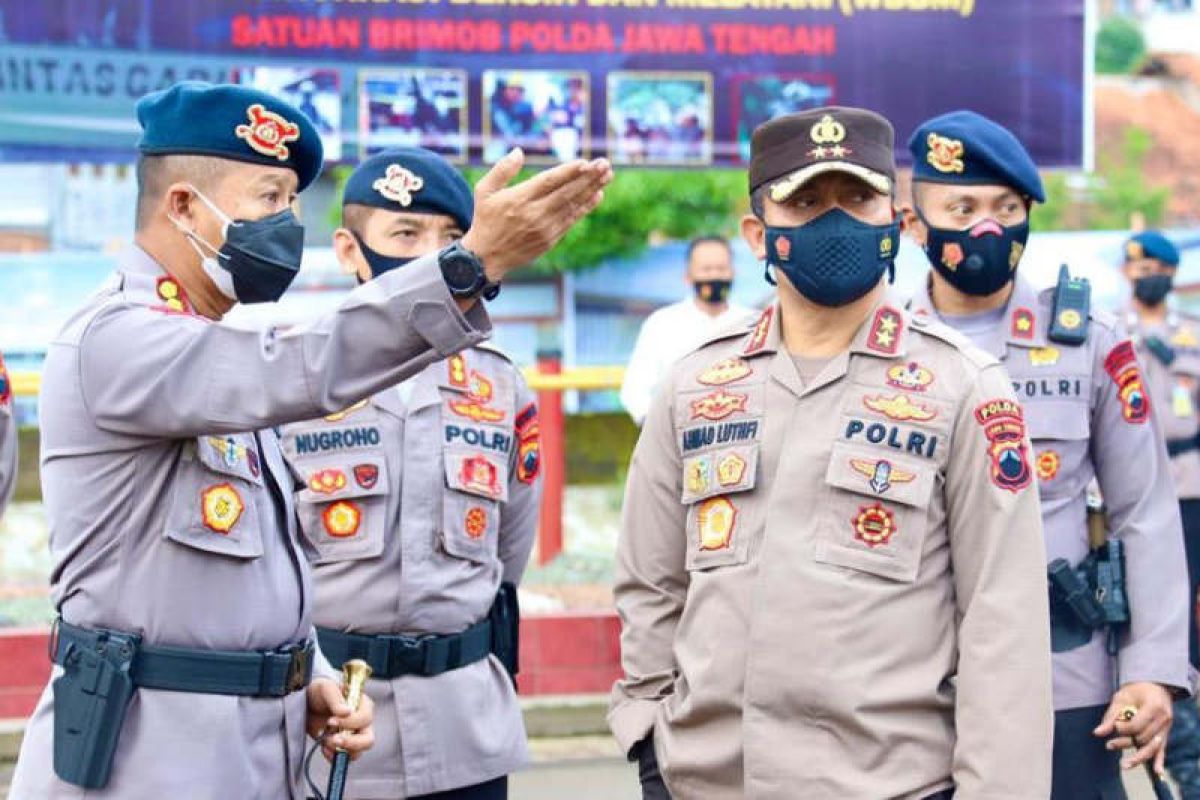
(337, 776)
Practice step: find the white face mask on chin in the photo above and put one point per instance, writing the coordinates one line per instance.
(211, 264)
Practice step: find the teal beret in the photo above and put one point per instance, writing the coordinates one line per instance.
(1152, 244)
(967, 148)
(411, 179)
(227, 121)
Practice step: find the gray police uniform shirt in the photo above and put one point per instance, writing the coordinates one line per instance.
(170, 505)
(1085, 421)
(8, 440)
(1174, 389)
(418, 503)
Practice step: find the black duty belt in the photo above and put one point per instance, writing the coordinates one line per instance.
(250, 673)
(393, 656)
(1177, 447)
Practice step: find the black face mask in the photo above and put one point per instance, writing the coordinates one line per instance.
(834, 259)
(378, 262)
(1153, 289)
(714, 292)
(980, 260)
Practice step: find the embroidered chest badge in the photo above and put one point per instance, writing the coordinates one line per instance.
(725, 371)
(718, 405)
(874, 525)
(881, 474)
(715, 519)
(342, 519)
(221, 507)
(911, 377)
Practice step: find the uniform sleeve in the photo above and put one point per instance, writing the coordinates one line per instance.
(1004, 712)
(651, 578)
(642, 372)
(1132, 469)
(519, 516)
(8, 448)
(147, 373)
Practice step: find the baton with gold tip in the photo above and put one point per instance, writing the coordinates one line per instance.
(354, 676)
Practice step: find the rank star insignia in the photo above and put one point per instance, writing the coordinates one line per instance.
(268, 133)
(366, 475)
(885, 331)
(730, 470)
(338, 416)
(479, 475)
(817, 152)
(837, 151)
(762, 329)
(172, 295)
(952, 255)
(874, 525)
(476, 522)
(881, 474)
(327, 481)
(724, 372)
(342, 519)
(398, 184)
(456, 371)
(718, 405)
(1022, 323)
(1043, 356)
(476, 411)
(715, 519)
(1121, 365)
(911, 377)
(1047, 465)
(1003, 424)
(945, 154)
(900, 407)
(221, 507)
(1070, 319)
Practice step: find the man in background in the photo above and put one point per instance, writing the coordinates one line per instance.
(671, 332)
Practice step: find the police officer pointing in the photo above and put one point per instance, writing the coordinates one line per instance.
(184, 647)
(416, 527)
(830, 565)
(1089, 417)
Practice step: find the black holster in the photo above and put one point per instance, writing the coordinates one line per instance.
(505, 617)
(90, 701)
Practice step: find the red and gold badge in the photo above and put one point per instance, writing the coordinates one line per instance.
(1043, 356)
(1023, 323)
(874, 525)
(900, 407)
(479, 388)
(715, 519)
(366, 475)
(725, 371)
(885, 331)
(174, 299)
(758, 336)
(952, 255)
(1048, 462)
(476, 522)
(398, 184)
(478, 474)
(911, 377)
(730, 470)
(529, 451)
(456, 371)
(342, 519)
(1121, 365)
(881, 474)
(327, 481)
(945, 154)
(1003, 423)
(476, 411)
(268, 133)
(221, 507)
(718, 405)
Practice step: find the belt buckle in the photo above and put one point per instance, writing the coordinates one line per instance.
(410, 652)
(298, 666)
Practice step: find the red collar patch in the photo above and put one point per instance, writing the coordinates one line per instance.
(758, 337)
(886, 328)
(1023, 323)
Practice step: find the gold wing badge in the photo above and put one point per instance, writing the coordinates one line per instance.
(881, 473)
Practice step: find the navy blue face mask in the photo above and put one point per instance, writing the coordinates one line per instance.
(835, 259)
(1153, 289)
(378, 262)
(980, 260)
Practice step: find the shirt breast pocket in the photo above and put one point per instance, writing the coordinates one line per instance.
(214, 505)
(876, 512)
(723, 515)
(1059, 433)
(476, 484)
(343, 508)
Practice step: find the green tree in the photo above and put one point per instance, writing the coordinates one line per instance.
(639, 203)
(1119, 46)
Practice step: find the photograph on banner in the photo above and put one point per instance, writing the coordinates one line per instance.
(413, 107)
(316, 92)
(544, 112)
(759, 98)
(660, 118)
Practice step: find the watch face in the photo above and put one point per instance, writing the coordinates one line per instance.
(461, 272)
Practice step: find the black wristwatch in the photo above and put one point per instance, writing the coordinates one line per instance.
(462, 270)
